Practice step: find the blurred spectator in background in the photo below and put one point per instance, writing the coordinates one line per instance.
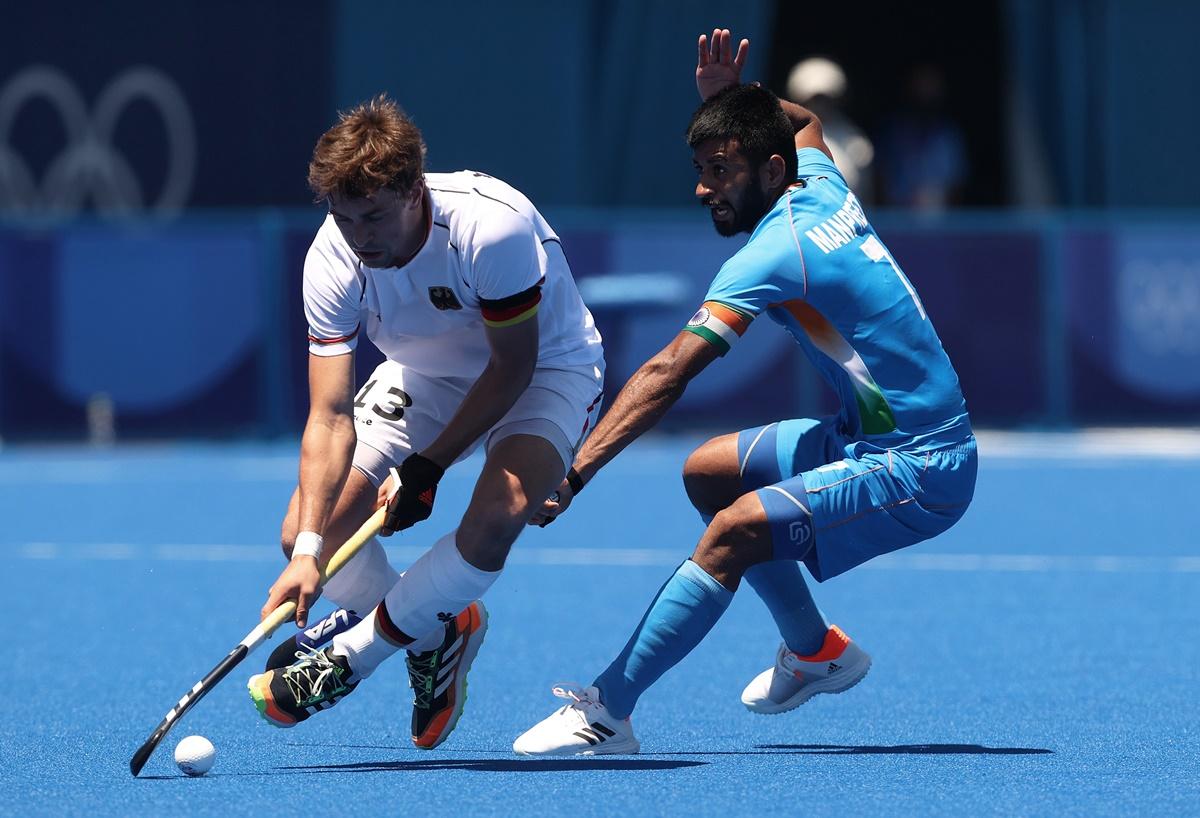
(923, 161)
(819, 84)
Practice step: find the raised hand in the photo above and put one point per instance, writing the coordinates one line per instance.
(717, 67)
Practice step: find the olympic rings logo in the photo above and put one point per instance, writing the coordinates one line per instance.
(1161, 305)
(89, 167)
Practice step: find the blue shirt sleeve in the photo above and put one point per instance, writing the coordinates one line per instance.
(766, 271)
(814, 162)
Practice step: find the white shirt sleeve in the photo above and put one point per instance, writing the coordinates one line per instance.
(333, 294)
(506, 256)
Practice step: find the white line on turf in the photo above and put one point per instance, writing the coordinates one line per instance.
(132, 464)
(39, 551)
(1091, 444)
(404, 555)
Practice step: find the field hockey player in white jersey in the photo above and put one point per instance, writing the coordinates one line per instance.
(464, 287)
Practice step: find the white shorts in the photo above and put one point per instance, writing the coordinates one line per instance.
(399, 411)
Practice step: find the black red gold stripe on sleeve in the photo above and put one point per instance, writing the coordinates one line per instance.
(504, 312)
(326, 341)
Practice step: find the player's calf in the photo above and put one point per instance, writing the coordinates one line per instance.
(737, 538)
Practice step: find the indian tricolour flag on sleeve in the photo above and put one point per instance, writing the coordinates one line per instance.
(719, 324)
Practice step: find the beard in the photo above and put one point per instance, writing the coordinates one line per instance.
(745, 213)
(380, 262)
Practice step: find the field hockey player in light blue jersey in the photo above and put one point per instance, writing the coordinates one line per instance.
(895, 466)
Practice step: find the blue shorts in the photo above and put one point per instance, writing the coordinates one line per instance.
(834, 508)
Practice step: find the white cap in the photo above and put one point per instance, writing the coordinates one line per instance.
(814, 76)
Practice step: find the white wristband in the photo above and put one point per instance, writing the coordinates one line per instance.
(308, 543)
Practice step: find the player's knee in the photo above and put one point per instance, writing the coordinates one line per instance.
(707, 479)
(721, 545)
(486, 533)
(694, 482)
(737, 538)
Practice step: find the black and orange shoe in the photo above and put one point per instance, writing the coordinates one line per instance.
(316, 681)
(439, 677)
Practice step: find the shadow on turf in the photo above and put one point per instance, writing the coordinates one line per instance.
(577, 764)
(900, 749)
(537, 765)
(759, 749)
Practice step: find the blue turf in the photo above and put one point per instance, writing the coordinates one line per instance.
(1034, 680)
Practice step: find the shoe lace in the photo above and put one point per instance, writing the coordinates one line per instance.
(312, 673)
(421, 668)
(579, 698)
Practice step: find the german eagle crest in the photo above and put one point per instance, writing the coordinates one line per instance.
(443, 298)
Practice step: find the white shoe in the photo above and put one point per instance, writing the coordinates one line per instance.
(838, 666)
(583, 727)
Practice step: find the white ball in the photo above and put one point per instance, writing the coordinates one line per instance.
(195, 755)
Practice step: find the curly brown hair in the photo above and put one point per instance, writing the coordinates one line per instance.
(374, 145)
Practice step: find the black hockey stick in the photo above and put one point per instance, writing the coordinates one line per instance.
(253, 639)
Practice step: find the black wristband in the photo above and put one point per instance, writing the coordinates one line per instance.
(574, 481)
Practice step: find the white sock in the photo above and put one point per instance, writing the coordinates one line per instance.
(441, 583)
(429, 641)
(363, 581)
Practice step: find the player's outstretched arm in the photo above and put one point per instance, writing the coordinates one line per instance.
(640, 404)
(717, 67)
(326, 451)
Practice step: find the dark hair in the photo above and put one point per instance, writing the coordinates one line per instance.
(753, 117)
(373, 145)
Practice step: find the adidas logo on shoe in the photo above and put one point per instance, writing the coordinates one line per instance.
(595, 733)
(583, 727)
(834, 667)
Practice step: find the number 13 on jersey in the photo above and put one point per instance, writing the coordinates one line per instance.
(391, 408)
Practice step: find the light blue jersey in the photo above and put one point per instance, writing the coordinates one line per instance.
(815, 266)
(895, 467)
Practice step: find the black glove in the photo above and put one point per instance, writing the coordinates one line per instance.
(413, 502)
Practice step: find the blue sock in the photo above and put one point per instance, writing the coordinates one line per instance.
(686, 608)
(782, 587)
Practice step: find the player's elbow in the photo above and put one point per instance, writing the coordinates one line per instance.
(327, 430)
(813, 123)
(337, 421)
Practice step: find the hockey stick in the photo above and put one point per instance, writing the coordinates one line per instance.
(252, 640)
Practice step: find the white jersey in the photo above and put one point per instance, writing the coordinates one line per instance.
(489, 258)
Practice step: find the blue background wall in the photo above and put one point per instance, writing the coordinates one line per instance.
(197, 327)
(1109, 92)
